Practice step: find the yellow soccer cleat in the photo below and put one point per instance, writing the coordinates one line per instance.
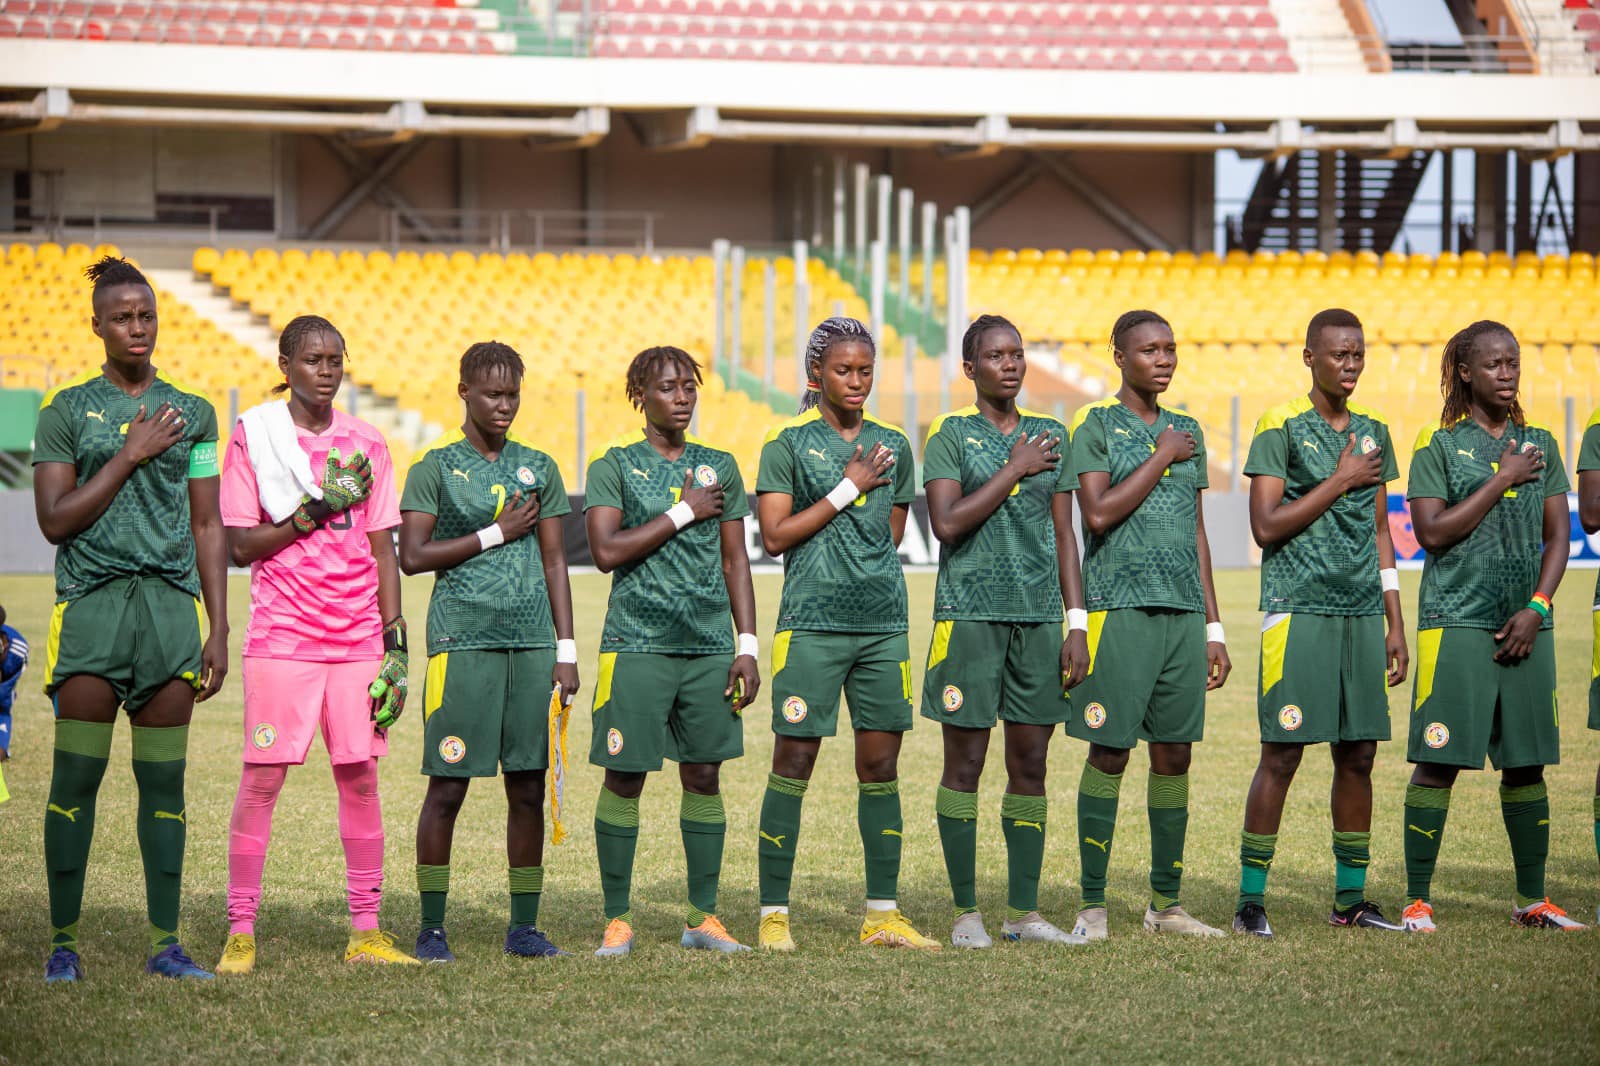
(774, 932)
(889, 929)
(374, 945)
(238, 955)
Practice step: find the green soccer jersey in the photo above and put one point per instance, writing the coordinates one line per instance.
(1005, 570)
(1331, 566)
(145, 529)
(1152, 557)
(847, 578)
(497, 598)
(674, 601)
(1485, 578)
(1589, 459)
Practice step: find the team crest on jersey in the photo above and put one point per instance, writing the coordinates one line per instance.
(794, 710)
(525, 476)
(1290, 717)
(264, 737)
(705, 476)
(1437, 735)
(614, 741)
(1094, 716)
(953, 699)
(1529, 446)
(1368, 444)
(452, 750)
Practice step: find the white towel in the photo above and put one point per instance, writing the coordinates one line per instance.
(282, 467)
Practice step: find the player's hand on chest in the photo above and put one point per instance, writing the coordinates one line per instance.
(1131, 443)
(479, 491)
(104, 432)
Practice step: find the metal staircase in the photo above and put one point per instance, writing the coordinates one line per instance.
(1370, 198)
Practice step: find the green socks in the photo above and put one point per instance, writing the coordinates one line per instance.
(527, 883)
(1352, 854)
(878, 815)
(433, 885)
(82, 751)
(1526, 810)
(705, 825)
(957, 815)
(158, 765)
(1097, 820)
(616, 833)
(777, 837)
(1168, 800)
(1022, 821)
(1255, 862)
(1426, 810)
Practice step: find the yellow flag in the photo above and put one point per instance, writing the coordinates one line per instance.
(559, 714)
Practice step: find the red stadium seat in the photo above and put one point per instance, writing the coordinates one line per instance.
(34, 28)
(427, 42)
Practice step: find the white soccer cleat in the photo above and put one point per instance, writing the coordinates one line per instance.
(1091, 924)
(1177, 920)
(1033, 927)
(968, 932)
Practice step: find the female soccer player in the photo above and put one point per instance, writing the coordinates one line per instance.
(1156, 645)
(664, 512)
(1589, 516)
(125, 485)
(1000, 502)
(324, 624)
(1318, 509)
(834, 490)
(499, 635)
(1488, 499)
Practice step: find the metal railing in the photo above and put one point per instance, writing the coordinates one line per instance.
(52, 216)
(508, 230)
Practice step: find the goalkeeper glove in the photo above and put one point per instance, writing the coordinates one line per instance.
(345, 484)
(388, 690)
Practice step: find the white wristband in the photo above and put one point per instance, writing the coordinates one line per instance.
(567, 651)
(490, 536)
(748, 645)
(1389, 578)
(681, 514)
(1077, 618)
(844, 494)
(1214, 634)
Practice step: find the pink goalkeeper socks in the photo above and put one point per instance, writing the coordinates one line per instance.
(361, 831)
(248, 832)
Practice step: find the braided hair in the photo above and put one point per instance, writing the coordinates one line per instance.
(109, 271)
(299, 329)
(1130, 320)
(974, 335)
(648, 363)
(1458, 352)
(829, 332)
(486, 356)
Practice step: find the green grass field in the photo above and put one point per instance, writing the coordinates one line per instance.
(1480, 990)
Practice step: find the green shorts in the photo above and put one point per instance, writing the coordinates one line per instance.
(809, 668)
(1466, 705)
(135, 633)
(980, 673)
(1147, 679)
(649, 707)
(1324, 678)
(486, 711)
(1594, 673)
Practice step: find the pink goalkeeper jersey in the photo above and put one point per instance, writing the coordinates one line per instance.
(317, 599)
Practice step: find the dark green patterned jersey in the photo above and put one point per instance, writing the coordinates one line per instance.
(1589, 459)
(1151, 558)
(1331, 566)
(674, 601)
(1005, 570)
(1483, 579)
(145, 529)
(497, 598)
(847, 578)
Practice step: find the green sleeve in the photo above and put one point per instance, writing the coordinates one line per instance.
(53, 439)
(734, 504)
(776, 470)
(1589, 448)
(553, 502)
(1269, 453)
(1202, 475)
(1066, 477)
(1391, 465)
(1089, 447)
(1428, 476)
(1555, 471)
(604, 485)
(941, 459)
(905, 473)
(422, 486)
(203, 452)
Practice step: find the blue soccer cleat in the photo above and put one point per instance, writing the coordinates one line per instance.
(433, 947)
(172, 961)
(62, 967)
(526, 942)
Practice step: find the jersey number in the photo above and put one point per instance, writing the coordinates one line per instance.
(342, 520)
(499, 494)
(1511, 494)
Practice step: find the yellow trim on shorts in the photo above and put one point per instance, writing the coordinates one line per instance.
(940, 647)
(52, 644)
(780, 650)
(1594, 655)
(905, 681)
(1428, 658)
(1097, 624)
(1274, 648)
(602, 685)
(433, 684)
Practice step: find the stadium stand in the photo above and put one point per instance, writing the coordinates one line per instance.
(1586, 20)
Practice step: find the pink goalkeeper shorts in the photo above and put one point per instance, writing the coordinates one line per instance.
(285, 700)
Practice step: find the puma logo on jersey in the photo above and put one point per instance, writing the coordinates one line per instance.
(640, 473)
(1312, 445)
(819, 455)
(975, 442)
(98, 416)
(1031, 825)
(1120, 431)
(463, 475)
(1469, 455)
(1429, 833)
(169, 816)
(777, 841)
(71, 816)
(1103, 845)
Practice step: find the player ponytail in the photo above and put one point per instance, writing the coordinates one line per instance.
(974, 335)
(829, 332)
(295, 334)
(1129, 320)
(648, 363)
(1458, 352)
(109, 271)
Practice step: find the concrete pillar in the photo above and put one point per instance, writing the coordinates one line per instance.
(1327, 201)
(1202, 201)
(1489, 201)
(1586, 202)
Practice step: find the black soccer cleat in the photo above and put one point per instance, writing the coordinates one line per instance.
(1252, 919)
(1364, 915)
